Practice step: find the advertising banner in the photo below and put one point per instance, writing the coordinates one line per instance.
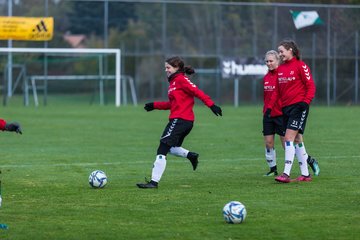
(235, 67)
(26, 28)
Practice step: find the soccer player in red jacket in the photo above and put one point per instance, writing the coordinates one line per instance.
(295, 89)
(10, 127)
(181, 93)
(274, 123)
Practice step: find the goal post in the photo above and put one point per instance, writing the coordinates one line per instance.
(117, 53)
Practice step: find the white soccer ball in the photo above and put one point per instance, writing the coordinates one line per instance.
(234, 212)
(97, 179)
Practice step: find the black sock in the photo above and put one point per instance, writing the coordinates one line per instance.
(153, 183)
(273, 169)
(310, 160)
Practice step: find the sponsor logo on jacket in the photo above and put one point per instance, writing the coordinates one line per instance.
(286, 79)
(171, 89)
(269, 88)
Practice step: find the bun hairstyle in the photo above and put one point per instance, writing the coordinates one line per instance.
(177, 62)
(290, 44)
(189, 70)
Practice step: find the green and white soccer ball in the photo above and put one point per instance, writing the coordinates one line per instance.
(97, 179)
(234, 212)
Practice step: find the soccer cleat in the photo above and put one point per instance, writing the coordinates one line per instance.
(151, 184)
(315, 167)
(283, 178)
(304, 178)
(271, 173)
(193, 157)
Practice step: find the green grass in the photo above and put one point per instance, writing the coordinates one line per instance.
(45, 171)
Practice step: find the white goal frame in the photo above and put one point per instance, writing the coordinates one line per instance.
(115, 51)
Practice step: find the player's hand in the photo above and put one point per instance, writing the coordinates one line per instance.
(303, 105)
(149, 106)
(216, 110)
(13, 127)
(267, 113)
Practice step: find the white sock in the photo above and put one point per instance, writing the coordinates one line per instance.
(179, 151)
(158, 168)
(302, 157)
(289, 156)
(270, 156)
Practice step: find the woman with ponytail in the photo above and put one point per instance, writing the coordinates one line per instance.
(181, 99)
(296, 89)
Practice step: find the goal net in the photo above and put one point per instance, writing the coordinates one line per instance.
(62, 71)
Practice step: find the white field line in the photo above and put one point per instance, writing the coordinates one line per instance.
(145, 162)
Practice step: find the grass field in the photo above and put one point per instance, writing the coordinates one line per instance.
(45, 171)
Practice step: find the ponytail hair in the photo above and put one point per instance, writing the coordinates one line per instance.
(189, 70)
(177, 62)
(290, 44)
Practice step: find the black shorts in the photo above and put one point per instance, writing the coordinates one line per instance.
(295, 117)
(175, 132)
(273, 125)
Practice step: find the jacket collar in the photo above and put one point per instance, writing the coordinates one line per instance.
(172, 76)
